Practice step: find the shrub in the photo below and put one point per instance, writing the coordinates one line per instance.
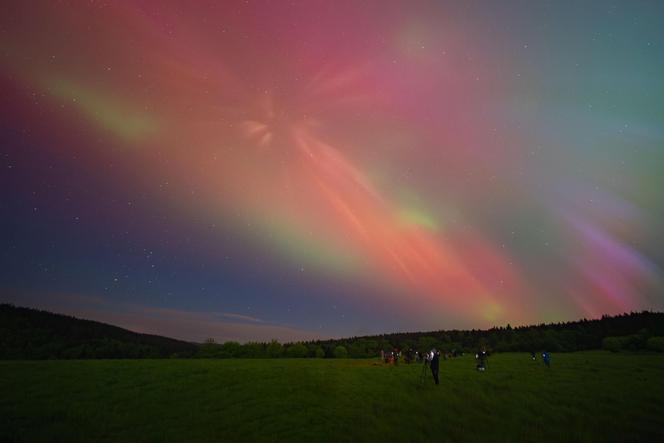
(624, 343)
(209, 349)
(298, 350)
(340, 352)
(633, 342)
(613, 344)
(231, 349)
(252, 350)
(655, 344)
(320, 353)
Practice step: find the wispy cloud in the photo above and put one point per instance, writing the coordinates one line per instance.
(240, 317)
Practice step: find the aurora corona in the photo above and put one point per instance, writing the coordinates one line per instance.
(332, 168)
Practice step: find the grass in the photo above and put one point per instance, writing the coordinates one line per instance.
(584, 397)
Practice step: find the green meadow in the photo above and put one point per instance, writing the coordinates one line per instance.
(583, 397)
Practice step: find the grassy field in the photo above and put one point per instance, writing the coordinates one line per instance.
(589, 396)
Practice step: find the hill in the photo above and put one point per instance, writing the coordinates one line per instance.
(33, 334)
(633, 331)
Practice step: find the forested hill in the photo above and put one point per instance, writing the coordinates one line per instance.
(633, 331)
(33, 334)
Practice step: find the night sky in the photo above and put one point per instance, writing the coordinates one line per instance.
(257, 170)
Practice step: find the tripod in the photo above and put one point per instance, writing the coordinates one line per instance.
(424, 373)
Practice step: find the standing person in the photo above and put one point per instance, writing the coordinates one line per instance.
(435, 364)
(481, 360)
(546, 358)
(532, 355)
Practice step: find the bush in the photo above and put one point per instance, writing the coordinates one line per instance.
(633, 342)
(624, 343)
(613, 344)
(252, 350)
(231, 349)
(340, 352)
(655, 344)
(320, 353)
(209, 349)
(298, 350)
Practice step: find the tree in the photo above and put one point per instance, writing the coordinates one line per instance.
(509, 334)
(274, 349)
(253, 350)
(613, 344)
(320, 353)
(209, 349)
(356, 350)
(298, 350)
(231, 349)
(340, 352)
(425, 344)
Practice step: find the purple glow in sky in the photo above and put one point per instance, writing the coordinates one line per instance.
(257, 170)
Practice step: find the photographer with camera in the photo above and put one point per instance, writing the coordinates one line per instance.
(434, 364)
(481, 360)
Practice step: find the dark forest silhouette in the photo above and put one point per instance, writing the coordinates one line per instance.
(33, 334)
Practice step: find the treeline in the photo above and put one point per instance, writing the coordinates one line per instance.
(630, 332)
(647, 327)
(273, 349)
(33, 334)
(634, 342)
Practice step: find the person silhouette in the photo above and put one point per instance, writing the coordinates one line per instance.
(435, 364)
(481, 360)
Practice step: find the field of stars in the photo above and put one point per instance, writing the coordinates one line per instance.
(249, 170)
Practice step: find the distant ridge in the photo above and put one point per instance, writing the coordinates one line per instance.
(27, 333)
(634, 329)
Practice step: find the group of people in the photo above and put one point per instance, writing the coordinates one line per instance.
(432, 359)
(546, 358)
(391, 356)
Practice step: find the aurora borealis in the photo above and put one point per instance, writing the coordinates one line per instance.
(313, 169)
